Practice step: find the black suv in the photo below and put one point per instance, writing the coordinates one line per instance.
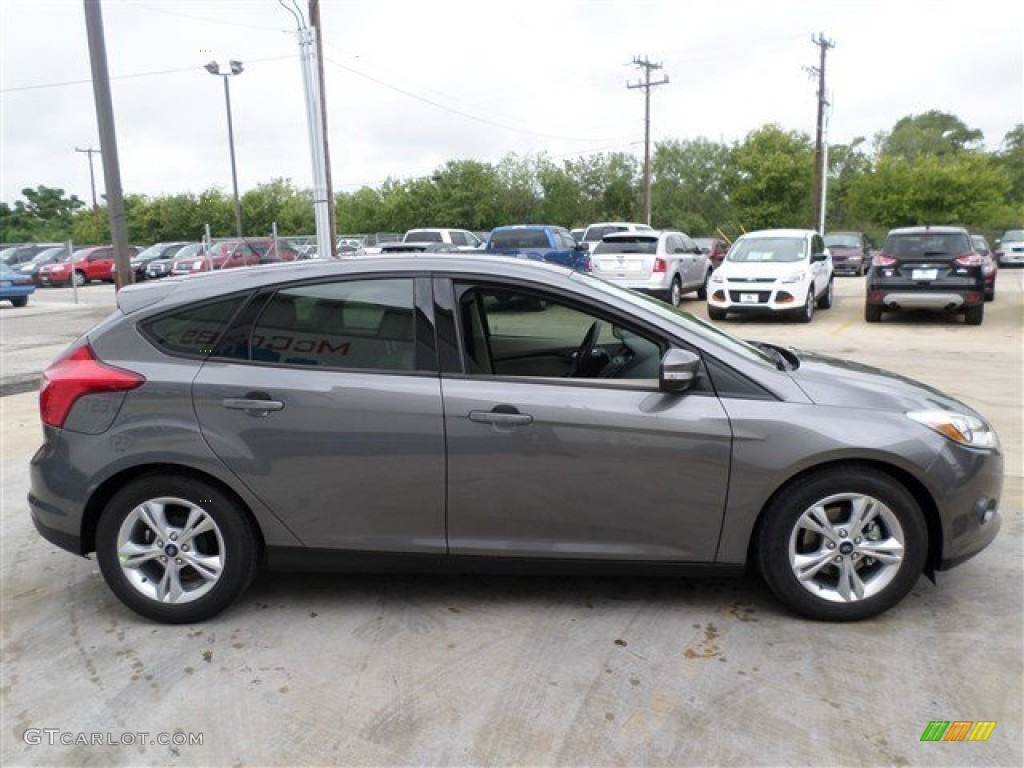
(927, 268)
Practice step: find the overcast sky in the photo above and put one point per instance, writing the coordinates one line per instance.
(411, 85)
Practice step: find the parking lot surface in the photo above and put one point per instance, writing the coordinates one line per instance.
(402, 670)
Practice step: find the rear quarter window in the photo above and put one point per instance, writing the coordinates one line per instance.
(193, 331)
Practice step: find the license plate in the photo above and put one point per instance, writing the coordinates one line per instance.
(748, 298)
(925, 274)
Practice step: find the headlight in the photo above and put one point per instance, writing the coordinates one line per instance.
(196, 266)
(796, 277)
(958, 427)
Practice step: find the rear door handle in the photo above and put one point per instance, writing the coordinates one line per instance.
(254, 403)
(501, 416)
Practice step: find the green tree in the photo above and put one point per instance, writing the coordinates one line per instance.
(44, 215)
(468, 195)
(688, 187)
(1011, 158)
(771, 179)
(931, 133)
(969, 190)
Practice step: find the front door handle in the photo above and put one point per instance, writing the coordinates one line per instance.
(254, 404)
(501, 416)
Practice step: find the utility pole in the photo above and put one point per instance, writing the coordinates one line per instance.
(92, 177)
(819, 152)
(314, 22)
(108, 140)
(646, 84)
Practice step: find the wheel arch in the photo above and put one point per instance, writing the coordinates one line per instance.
(109, 487)
(914, 486)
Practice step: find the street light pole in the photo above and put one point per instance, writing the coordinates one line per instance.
(236, 69)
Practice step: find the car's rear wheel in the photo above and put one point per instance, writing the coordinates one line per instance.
(842, 545)
(675, 292)
(990, 295)
(716, 314)
(872, 313)
(974, 315)
(19, 301)
(175, 549)
(825, 302)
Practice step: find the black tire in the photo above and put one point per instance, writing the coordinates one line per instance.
(806, 313)
(702, 292)
(872, 313)
(990, 295)
(78, 278)
(230, 547)
(19, 301)
(716, 314)
(827, 298)
(974, 315)
(675, 292)
(786, 543)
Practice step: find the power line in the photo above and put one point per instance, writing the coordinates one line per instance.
(452, 110)
(64, 83)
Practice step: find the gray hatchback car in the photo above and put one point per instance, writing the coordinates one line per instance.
(458, 412)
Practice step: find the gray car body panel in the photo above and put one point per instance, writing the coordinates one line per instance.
(603, 450)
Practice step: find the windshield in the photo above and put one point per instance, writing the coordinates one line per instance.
(916, 245)
(423, 236)
(50, 254)
(842, 241)
(1014, 236)
(596, 233)
(187, 251)
(676, 316)
(767, 250)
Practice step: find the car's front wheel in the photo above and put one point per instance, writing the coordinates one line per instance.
(716, 314)
(19, 301)
(806, 313)
(175, 549)
(842, 545)
(78, 277)
(828, 297)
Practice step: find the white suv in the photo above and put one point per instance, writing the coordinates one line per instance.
(593, 234)
(773, 271)
(666, 264)
(462, 239)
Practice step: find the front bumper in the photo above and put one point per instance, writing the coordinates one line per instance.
(764, 298)
(969, 512)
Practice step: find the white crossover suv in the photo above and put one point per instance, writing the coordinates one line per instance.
(773, 271)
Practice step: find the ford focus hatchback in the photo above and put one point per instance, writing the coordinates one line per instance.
(419, 413)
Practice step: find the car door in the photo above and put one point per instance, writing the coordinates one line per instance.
(324, 400)
(822, 270)
(602, 465)
(100, 264)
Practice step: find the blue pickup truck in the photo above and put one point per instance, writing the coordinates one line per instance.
(539, 242)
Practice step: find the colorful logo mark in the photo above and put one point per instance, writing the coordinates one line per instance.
(958, 730)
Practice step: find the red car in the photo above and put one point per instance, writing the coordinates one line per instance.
(714, 248)
(222, 255)
(85, 265)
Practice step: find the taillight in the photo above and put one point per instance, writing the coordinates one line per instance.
(660, 265)
(881, 260)
(970, 260)
(75, 375)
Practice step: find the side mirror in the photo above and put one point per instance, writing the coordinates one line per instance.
(819, 256)
(581, 247)
(678, 370)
